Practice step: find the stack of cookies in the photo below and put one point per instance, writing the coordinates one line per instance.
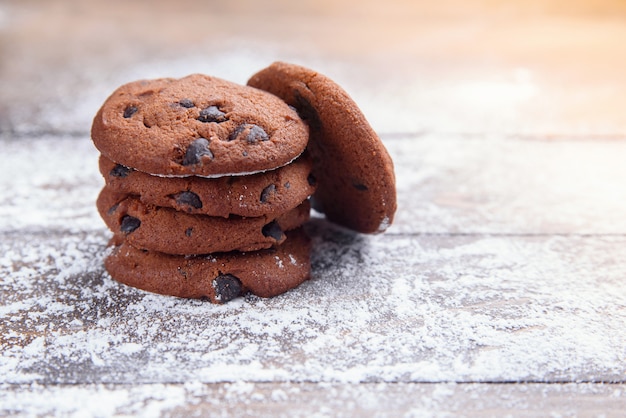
(207, 187)
(208, 182)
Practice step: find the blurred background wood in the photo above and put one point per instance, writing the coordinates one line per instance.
(540, 67)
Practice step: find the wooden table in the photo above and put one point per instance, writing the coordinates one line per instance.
(499, 290)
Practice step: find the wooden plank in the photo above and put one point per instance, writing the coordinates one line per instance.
(539, 67)
(245, 399)
(379, 309)
(446, 184)
(511, 185)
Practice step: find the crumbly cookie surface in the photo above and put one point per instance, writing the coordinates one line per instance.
(197, 125)
(356, 181)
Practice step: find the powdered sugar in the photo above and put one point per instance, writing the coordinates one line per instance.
(495, 184)
(279, 262)
(49, 183)
(387, 309)
(303, 399)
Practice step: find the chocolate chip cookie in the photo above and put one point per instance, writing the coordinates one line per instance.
(264, 194)
(175, 232)
(356, 181)
(197, 125)
(219, 277)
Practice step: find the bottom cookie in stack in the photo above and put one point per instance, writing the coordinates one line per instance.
(219, 277)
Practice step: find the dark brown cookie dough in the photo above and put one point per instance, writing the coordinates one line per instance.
(174, 232)
(197, 125)
(219, 277)
(356, 182)
(268, 193)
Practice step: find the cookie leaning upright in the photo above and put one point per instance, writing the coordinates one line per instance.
(197, 125)
(356, 182)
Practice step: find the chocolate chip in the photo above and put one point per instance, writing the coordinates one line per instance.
(186, 103)
(256, 134)
(188, 198)
(129, 111)
(307, 111)
(311, 179)
(250, 132)
(287, 185)
(272, 230)
(267, 192)
(120, 171)
(197, 149)
(113, 208)
(227, 287)
(189, 231)
(234, 134)
(212, 114)
(359, 186)
(129, 224)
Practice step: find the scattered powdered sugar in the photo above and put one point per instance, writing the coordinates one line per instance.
(386, 309)
(50, 184)
(305, 399)
(384, 224)
(503, 185)
(279, 262)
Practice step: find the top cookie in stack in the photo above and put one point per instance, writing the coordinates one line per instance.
(197, 126)
(200, 166)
